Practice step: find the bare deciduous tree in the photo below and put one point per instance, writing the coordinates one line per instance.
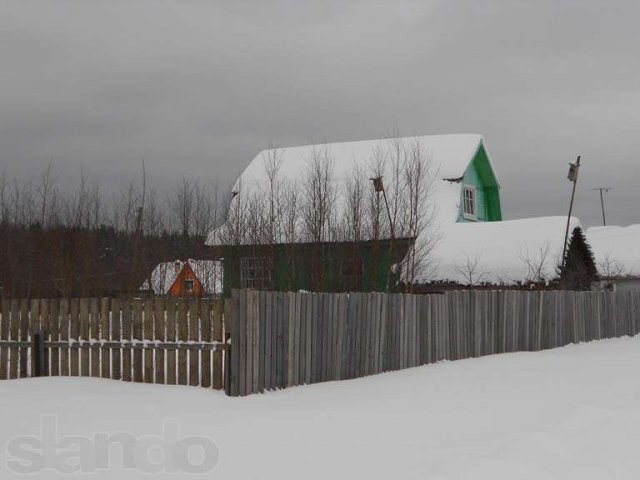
(319, 195)
(470, 269)
(609, 267)
(537, 262)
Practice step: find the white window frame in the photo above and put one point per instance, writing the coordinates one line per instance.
(473, 214)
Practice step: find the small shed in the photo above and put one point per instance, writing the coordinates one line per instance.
(188, 278)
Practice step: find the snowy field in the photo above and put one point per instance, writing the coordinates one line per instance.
(571, 413)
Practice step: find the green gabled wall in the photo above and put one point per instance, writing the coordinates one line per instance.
(480, 175)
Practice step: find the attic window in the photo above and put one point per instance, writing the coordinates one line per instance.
(188, 286)
(255, 272)
(469, 202)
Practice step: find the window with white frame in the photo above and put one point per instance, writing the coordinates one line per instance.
(469, 202)
(255, 272)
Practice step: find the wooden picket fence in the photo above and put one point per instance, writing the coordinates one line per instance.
(284, 339)
(159, 340)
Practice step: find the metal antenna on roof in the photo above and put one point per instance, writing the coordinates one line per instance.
(605, 190)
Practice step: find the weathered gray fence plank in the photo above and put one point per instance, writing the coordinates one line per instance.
(194, 336)
(94, 334)
(116, 334)
(54, 334)
(137, 336)
(182, 326)
(105, 359)
(147, 336)
(159, 334)
(74, 334)
(84, 335)
(127, 353)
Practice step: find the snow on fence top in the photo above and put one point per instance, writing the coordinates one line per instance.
(616, 250)
(506, 252)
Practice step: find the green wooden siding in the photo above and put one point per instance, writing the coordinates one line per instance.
(480, 175)
(319, 267)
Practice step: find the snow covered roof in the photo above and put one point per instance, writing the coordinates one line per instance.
(449, 157)
(616, 249)
(209, 272)
(505, 252)
(451, 154)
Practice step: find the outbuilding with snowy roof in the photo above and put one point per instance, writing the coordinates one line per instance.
(188, 278)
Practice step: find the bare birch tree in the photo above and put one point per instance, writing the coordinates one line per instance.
(319, 196)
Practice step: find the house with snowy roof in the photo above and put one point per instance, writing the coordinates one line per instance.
(335, 230)
(189, 278)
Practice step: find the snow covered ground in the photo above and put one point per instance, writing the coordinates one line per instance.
(570, 413)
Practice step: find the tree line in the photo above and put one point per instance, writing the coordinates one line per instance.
(60, 241)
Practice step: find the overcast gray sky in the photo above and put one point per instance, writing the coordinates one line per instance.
(197, 87)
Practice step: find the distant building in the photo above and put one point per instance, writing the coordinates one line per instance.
(509, 253)
(190, 278)
(617, 254)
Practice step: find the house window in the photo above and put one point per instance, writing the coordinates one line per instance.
(351, 275)
(255, 272)
(469, 202)
(188, 286)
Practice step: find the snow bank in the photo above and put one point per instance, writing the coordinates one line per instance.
(571, 413)
(504, 252)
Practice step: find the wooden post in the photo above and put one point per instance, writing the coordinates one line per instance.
(40, 355)
(573, 176)
(218, 309)
(136, 336)
(183, 336)
(74, 335)
(84, 336)
(116, 335)
(171, 337)
(148, 337)
(94, 335)
(159, 334)
(194, 330)
(105, 335)
(4, 335)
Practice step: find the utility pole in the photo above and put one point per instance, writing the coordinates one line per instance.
(378, 187)
(573, 177)
(602, 190)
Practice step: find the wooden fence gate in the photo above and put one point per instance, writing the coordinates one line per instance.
(158, 340)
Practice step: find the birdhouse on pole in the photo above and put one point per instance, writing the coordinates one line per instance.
(573, 170)
(377, 184)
